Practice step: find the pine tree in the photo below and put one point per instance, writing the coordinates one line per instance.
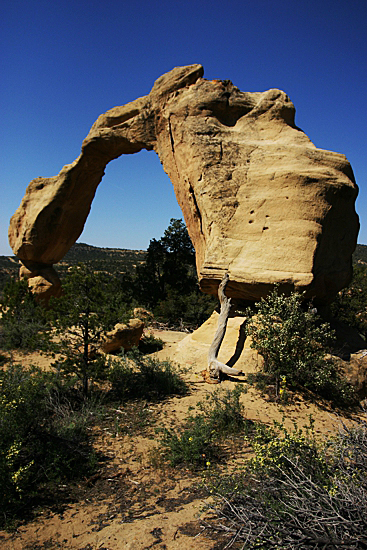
(81, 317)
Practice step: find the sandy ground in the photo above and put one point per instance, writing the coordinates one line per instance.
(130, 503)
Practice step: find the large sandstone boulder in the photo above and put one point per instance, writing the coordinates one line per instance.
(123, 336)
(260, 201)
(235, 350)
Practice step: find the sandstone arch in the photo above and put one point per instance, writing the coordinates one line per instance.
(260, 201)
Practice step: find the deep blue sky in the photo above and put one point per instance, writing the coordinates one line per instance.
(65, 62)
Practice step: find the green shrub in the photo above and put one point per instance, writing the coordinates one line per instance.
(294, 343)
(81, 317)
(150, 344)
(43, 439)
(135, 377)
(296, 493)
(278, 449)
(23, 324)
(197, 443)
(224, 411)
(194, 445)
(350, 305)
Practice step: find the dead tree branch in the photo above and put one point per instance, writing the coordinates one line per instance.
(215, 367)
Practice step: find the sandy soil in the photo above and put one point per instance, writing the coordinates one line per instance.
(131, 504)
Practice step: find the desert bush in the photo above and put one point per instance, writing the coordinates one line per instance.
(43, 438)
(23, 324)
(294, 343)
(134, 376)
(297, 493)
(350, 305)
(149, 344)
(224, 411)
(278, 448)
(196, 444)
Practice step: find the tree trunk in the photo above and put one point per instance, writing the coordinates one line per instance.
(85, 332)
(215, 367)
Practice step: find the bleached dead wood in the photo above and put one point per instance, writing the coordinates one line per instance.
(215, 367)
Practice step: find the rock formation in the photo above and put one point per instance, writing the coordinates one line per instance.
(260, 201)
(123, 336)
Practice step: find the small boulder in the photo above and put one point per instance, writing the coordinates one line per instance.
(355, 371)
(43, 289)
(42, 280)
(143, 314)
(123, 336)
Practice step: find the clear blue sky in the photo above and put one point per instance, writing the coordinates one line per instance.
(65, 62)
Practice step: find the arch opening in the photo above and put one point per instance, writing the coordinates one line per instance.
(133, 204)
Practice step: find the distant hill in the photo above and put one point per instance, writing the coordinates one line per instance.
(9, 267)
(82, 252)
(9, 262)
(113, 260)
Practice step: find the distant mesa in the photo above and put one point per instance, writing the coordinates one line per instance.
(260, 201)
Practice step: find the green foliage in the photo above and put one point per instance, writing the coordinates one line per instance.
(194, 446)
(9, 269)
(350, 305)
(23, 323)
(185, 310)
(169, 262)
(81, 317)
(138, 377)
(167, 282)
(197, 442)
(279, 448)
(150, 344)
(303, 494)
(288, 338)
(43, 440)
(224, 411)
(294, 343)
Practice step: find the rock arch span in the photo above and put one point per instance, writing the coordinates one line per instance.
(260, 201)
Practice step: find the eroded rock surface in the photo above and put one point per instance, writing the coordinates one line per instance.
(123, 336)
(260, 201)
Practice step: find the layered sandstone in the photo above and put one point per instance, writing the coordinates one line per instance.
(260, 201)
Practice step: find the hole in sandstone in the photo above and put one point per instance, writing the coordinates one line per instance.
(133, 204)
(252, 211)
(264, 228)
(250, 221)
